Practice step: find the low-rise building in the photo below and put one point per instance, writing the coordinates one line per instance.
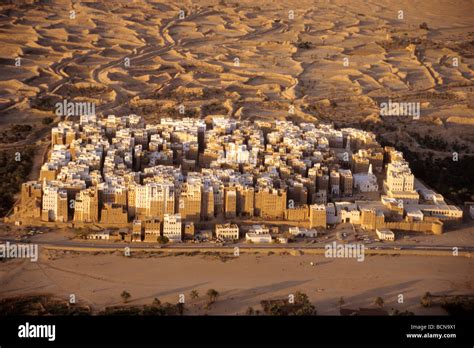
(384, 234)
(227, 231)
(102, 235)
(303, 232)
(189, 230)
(416, 214)
(259, 229)
(258, 238)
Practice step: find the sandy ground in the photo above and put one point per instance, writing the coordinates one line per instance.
(98, 280)
(283, 60)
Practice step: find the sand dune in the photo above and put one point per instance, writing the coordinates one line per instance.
(284, 59)
(253, 54)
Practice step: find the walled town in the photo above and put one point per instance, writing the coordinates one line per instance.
(175, 179)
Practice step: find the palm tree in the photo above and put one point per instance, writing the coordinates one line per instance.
(379, 302)
(180, 308)
(445, 300)
(194, 294)
(301, 298)
(213, 295)
(341, 302)
(426, 300)
(125, 296)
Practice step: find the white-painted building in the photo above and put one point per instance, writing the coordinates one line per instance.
(237, 153)
(416, 214)
(399, 177)
(440, 211)
(55, 204)
(155, 194)
(347, 212)
(258, 238)
(331, 217)
(172, 227)
(303, 232)
(365, 182)
(227, 231)
(102, 235)
(385, 235)
(259, 229)
(226, 124)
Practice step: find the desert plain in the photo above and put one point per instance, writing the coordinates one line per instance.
(98, 279)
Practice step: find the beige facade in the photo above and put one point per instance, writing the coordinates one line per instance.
(207, 204)
(317, 216)
(270, 203)
(298, 213)
(152, 200)
(347, 182)
(86, 207)
(113, 214)
(230, 202)
(360, 164)
(190, 202)
(48, 173)
(152, 229)
(245, 200)
(31, 196)
(372, 220)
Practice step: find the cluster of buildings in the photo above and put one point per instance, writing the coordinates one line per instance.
(164, 179)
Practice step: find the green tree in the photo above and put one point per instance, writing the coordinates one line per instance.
(341, 302)
(213, 295)
(379, 301)
(301, 298)
(125, 296)
(47, 120)
(194, 294)
(163, 239)
(250, 311)
(303, 305)
(180, 308)
(426, 300)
